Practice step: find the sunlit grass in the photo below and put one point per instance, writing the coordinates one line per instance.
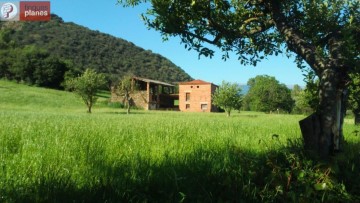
(52, 150)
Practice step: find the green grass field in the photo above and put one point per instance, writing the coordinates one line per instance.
(51, 150)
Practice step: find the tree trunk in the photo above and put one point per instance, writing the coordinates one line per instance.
(89, 105)
(128, 108)
(128, 102)
(228, 113)
(128, 105)
(322, 131)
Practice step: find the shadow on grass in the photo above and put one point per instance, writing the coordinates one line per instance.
(195, 177)
(347, 167)
(217, 175)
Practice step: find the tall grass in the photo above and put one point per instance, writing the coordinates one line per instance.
(51, 150)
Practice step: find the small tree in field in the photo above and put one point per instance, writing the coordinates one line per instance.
(127, 87)
(228, 97)
(86, 86)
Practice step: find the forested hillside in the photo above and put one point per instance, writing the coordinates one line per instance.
(35, 51)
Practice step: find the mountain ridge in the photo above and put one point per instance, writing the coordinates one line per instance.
(84, 48)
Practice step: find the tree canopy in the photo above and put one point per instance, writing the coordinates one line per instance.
(266, 94)
(228, 97)
(87, 86)
(126, 88)
(255, 29)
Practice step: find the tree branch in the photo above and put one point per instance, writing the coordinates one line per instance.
(294, 39)
(214, 41)
(241, 32)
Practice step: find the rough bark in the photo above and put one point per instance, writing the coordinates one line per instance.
(322, 131)
(128, 101)
(325, 128)
(128, 106)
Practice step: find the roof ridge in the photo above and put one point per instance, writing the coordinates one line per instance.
(197, 81)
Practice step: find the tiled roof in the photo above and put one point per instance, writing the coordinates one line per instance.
(153, 81)
(195, 82)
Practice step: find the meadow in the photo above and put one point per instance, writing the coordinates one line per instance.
(51, 150)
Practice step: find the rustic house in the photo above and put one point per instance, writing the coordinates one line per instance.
(196, 96)
(151, 94)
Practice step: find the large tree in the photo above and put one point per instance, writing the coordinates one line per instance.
(322, 34)
(268, 95)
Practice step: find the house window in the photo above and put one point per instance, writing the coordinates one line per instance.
(204, 106)
(187, 96)
(187, 106)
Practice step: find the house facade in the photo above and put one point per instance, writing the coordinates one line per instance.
(151, 94)
(196, 96)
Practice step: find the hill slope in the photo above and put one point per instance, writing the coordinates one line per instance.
(83, 48)
(27, 98)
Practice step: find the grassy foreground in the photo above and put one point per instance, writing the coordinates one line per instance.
(51, 150)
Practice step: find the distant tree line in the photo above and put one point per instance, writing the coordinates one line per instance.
(30, 64)
(266, 94)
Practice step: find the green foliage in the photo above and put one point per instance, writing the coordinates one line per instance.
(30, 64)
(81, 48)
(87, 86)
(354, 96)
(126, 88)
(228, 97)
(296, 178)
(266, 94)
(301, 99)
(256, 29)
(312, 89)
(302, 103)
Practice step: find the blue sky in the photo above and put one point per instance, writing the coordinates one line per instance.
(107, 17)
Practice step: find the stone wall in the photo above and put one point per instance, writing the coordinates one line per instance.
(139, 99)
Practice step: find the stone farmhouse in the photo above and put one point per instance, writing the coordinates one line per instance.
(193, 96)
(196, 96)
(151, 94)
